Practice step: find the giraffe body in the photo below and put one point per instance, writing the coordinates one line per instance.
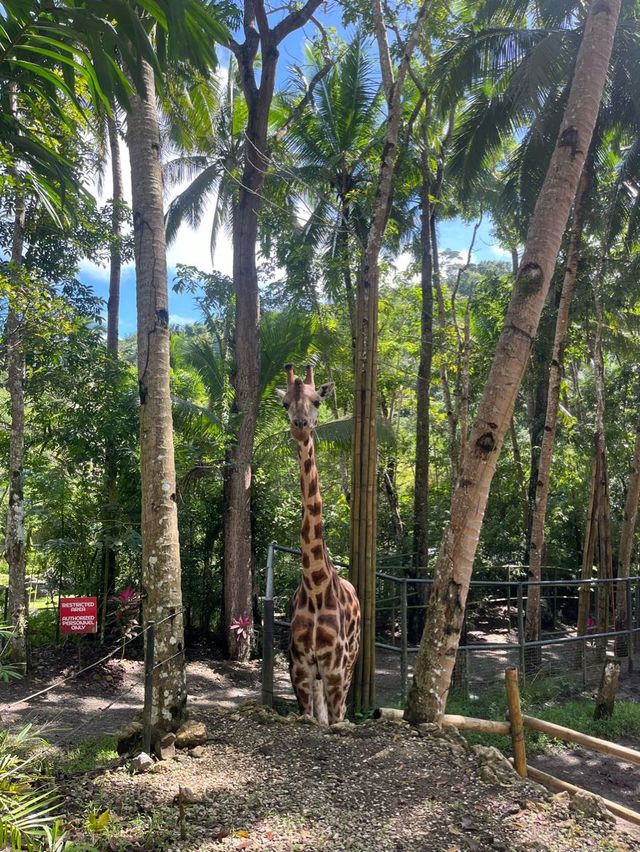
(325, 622)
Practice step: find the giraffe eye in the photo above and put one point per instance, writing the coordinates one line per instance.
(316, 402)
(285, 405)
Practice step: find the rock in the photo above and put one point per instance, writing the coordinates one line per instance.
(191, 734)
(591, 806)
(305, 719)
(562, 798)
(141, 763)
(129, 739)
(342, 728)
(197, 751)
(164, 746)
(428, 729)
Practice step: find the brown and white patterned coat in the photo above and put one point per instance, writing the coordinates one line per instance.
(325, 623)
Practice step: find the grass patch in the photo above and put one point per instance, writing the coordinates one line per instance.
(88, 754)
(556, 701)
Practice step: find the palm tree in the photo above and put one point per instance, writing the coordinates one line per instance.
(518, 69)
(330, 145)
(436, 656)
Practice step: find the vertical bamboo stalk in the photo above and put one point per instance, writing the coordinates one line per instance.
(515, 719)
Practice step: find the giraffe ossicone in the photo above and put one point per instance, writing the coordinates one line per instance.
(325, 615)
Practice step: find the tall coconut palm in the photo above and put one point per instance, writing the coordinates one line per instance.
(436, 656)
(518, 61)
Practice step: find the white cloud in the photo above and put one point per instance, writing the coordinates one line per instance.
(177, 319)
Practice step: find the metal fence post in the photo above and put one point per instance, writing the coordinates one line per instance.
(267, 633)
(403, 641)
(521, 639)
(149, 660)
(629, 625)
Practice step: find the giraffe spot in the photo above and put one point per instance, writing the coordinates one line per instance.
(302, 484)
(305, 530)
(333, 679)
(317, 530)
(306, 442)
(303, 598)
(324, 636)
(307, 465)
(303, 695)
(311, 606)
(311, 451)
(352, 627)
(318, 576)
(305, 560)
(337, 654)
(313, 487)
(305, 638)
(330, 598)
(329, 620)
(317, 552)
(315, 508)
(306, 581)
(319, 600)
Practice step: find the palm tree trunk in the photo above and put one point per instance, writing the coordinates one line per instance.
(627, 532)
(542, 482)
(160, 542)
(113, 316)
(15, 532)
(445, 611)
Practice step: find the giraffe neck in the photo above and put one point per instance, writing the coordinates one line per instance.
(316, 570)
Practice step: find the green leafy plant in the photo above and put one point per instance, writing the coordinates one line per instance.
(7, 671)
(28, 813)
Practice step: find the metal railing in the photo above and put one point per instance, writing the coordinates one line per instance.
(482, 660)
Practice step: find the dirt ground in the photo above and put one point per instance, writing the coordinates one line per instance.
(381, 789)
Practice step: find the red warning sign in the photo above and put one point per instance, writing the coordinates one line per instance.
(78, 615)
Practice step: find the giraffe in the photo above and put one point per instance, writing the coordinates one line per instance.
(325, 622)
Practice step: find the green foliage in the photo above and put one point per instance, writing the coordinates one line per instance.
(28, 813)
(554, 700)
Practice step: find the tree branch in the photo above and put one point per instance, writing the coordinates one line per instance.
(295, 20)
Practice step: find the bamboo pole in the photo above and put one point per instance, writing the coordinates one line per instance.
(629, 755)
(554, 783)
(515, 719)
(466, 723)
(483, 726)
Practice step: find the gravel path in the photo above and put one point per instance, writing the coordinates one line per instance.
(270, 783)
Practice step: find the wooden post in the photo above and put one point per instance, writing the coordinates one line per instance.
(606, 698)
(149, 659)
(515, 718)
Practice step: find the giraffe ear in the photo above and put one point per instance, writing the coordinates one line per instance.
(280, 394)
(326, 389)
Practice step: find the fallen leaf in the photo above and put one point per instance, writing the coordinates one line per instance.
(241, 833)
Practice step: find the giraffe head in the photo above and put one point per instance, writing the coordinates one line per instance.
(302, 400)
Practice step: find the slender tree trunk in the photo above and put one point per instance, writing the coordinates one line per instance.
(588, 550)
(363, 506)
(445, 612)
(15, 533)
(625, 552)
(160, 543)
(113, 316)
(605, 552)
(543, 479)
(522, 483)
(238, 472)
(452, 420)
(423, 384)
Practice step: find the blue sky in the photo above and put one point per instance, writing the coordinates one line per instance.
(193, 247)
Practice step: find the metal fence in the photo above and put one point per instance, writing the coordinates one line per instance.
(493, 637)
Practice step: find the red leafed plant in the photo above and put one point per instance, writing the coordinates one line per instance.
(127, 607)
(241, 626)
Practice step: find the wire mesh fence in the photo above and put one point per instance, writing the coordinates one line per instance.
(493, 635)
